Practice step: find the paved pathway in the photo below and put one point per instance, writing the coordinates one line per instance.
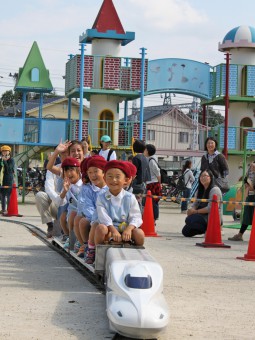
(210, 294)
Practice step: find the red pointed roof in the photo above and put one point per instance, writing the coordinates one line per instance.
(108, 19)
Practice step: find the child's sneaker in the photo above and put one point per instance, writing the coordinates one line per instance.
(64, 238)
(49, 233)
(67, 244)
(77, 246)
(90, 256)
(82, 251)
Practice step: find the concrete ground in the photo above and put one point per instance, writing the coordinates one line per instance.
(210, 293)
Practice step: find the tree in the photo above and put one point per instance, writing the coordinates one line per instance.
(213, 118)
(10, 98)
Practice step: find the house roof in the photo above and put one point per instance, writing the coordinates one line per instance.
(33, 105)
(152, 112)
(34, 76)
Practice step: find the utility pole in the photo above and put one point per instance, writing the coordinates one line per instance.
(194, 116)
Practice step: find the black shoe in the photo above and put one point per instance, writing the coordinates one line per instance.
(49, 232)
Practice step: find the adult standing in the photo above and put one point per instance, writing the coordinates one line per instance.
(249, 182)
(154, 185)
(196, 222)
(216, 162)
(142, 171)
(106, 152)
(188, 181)
(7, 169)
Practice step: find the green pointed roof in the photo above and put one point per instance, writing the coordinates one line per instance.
(34, 76)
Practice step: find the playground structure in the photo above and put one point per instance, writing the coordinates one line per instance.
(105, 78)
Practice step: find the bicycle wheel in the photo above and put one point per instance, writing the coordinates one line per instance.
(176, 196)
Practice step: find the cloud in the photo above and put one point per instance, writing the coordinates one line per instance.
(168, 28)
(43, 21)
(167, 14)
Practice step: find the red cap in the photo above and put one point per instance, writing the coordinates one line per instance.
(123, 166)
(84, 166)
(70, 161)
(132, 167)
(97, 162)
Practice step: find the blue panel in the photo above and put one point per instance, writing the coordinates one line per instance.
(233, 80)
(250, 81)
(250, 140)
(231, 138)
(31, 134)
(212, 75)
(11, 130)
(179, 75)
(52, 131)
(218, 77)
(223, 80)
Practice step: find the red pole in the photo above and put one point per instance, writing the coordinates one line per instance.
(225, 151)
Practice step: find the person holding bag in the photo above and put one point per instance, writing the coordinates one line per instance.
(188, 181)
(7, 167)
(216, 162)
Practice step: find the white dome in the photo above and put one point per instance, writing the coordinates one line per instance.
(241, 36)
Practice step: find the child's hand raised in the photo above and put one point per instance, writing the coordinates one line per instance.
(66, 184)
(62, 147)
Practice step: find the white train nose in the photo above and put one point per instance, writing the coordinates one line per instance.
(135, 303)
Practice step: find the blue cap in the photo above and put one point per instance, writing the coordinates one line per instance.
(105, 139)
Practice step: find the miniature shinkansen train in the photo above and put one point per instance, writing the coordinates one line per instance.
(135, 304)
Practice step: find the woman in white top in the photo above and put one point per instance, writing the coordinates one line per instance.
(106, 151)
(188, 181)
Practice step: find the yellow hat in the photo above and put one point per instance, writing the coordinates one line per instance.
(6, 148)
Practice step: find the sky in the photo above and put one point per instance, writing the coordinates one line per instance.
(189, 29)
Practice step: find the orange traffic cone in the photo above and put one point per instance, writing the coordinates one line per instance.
(250, 256)
(148, 225)
(213, 232)
(13, 203)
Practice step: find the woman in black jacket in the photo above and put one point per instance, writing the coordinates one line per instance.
(215, 161)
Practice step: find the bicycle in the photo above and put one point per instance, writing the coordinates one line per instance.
(34, 181)
(172, 190)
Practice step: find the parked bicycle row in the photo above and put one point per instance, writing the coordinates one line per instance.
(32, 179)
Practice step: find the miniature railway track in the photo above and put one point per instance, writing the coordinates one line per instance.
(85, 270)
(76, 263)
